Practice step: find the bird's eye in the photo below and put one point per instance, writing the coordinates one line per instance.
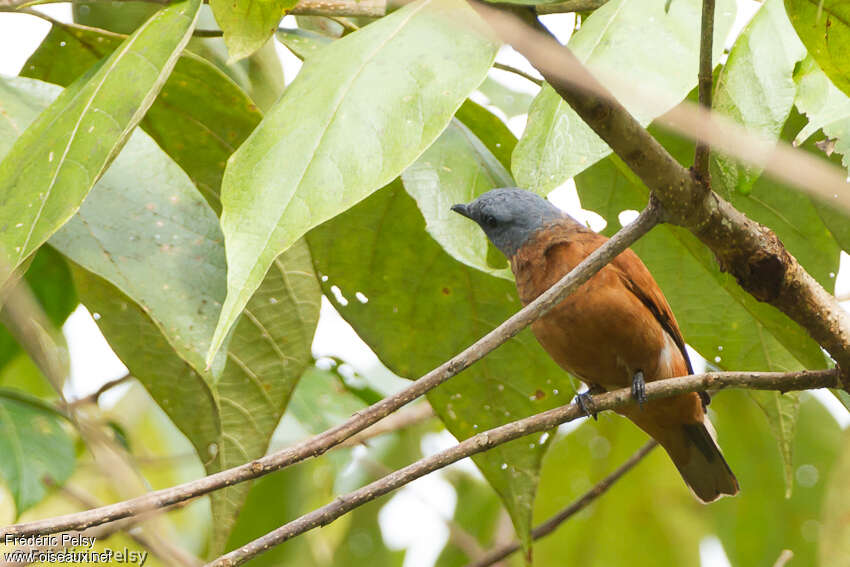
(490, 220)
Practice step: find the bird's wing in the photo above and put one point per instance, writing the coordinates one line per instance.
(640, 282)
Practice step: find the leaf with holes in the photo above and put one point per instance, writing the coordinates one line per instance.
(230, 421)
(391, 87)
(35, 450)
(53, 165)
(827, 108)
(824, 28)
(640, 43)
(410, 292)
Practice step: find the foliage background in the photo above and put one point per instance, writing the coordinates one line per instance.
(424, 251)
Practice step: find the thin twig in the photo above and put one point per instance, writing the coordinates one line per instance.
(706, 67)
(784, 557)
(519, 72)
(318, 444)
(94, 397)
(345, 23)
(572, 509)
(570, 6)
(535, 424)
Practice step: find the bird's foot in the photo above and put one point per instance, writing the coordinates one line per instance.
(584, 401)
(639, 388)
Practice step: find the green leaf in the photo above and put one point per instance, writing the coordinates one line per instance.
(387, 86)
(36, 451)
(477, 513)
(835, 529)
(488, 128)
(827, 108)
(781, 411)
(152, 235)
(756, 88)
(639, 43)
(456, 169)
(230, 421)
(199, 118)
(302, 43)
(824, 28)
(54, 164)
(248, 24)
(403, 291)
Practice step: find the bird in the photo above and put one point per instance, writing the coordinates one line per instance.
(615, 331)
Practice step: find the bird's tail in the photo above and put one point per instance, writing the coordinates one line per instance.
(694, 451)
(682, 428)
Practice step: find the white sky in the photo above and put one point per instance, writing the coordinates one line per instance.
(409, 520)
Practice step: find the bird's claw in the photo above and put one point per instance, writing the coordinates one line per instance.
(583, 400)
(639, 388)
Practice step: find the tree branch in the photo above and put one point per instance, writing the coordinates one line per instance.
(318, 444)
(541, 422)
(706, 66)
(572, 509)
(751, 252)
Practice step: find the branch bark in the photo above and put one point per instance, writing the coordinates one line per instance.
(749, 251)
(317, 445)
(572, 509)
(702, 152)
(486, 440)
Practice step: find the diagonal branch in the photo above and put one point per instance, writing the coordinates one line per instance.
(706, 66)
(749, 251)
(571, 510)
(318, 444)
(541, 422)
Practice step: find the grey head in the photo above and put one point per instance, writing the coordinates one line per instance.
(509, 216)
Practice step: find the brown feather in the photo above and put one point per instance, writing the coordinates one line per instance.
(615, 324)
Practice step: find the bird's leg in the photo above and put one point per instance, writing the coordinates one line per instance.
(585, 399)
(639, 388)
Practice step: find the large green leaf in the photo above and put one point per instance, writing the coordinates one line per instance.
(248, 24)
(54, 164)
(456, 169)
(640, 43)
(152, 234)
(35, 450)
(827, 108)
(824, 28)
(756, 88)
(360, 111)
(835, 529)
(199, 118)
(231, 420)
(403, 292)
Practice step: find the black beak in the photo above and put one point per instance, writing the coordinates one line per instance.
(461, 209)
